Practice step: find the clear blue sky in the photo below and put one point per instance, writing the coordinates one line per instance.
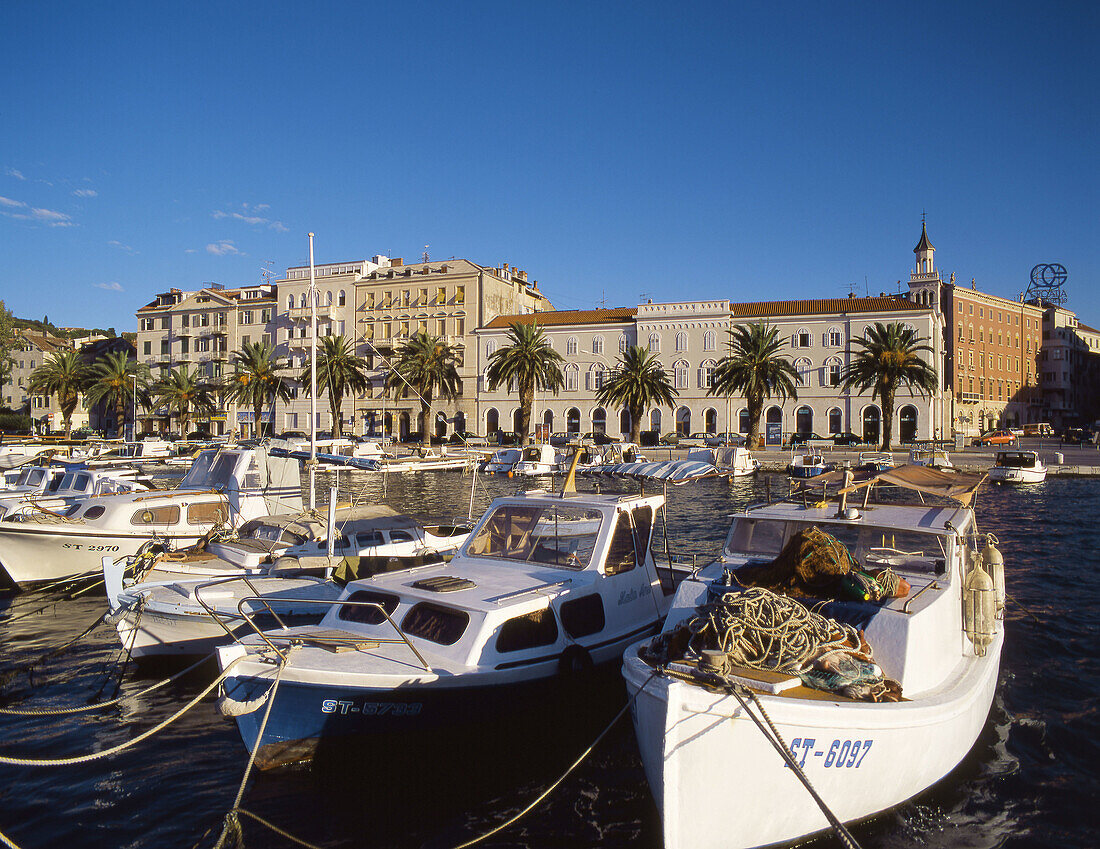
(683, 150)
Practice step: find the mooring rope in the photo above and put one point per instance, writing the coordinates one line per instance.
(79, 759)
(8, 674)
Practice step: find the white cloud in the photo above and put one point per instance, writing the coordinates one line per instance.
(113, 286)
(190, 251)
(252, 219)
(222, 248)
(9, 202)
(85, 193)
(50, 217)
(115, 243)
(15, 172)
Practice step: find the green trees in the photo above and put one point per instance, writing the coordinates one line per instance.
(428, 365)
(7, 342)
(256, 381)
(529, 363)
(111, 379)
(887, 360)
(638, 382)
(339, 372)
(754, 368)
(63, 374)
(183, 393)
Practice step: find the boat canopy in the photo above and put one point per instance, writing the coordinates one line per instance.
(958, 486)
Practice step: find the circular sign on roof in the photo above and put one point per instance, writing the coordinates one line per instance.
(1049, 275)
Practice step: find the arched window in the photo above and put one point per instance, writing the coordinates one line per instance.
(517, 425)
(593, 378)
(681, 342)
(871, 421)
(801, 338)
(490, 347)
(655, 421)
(548, 422)
(341, 299)
(572, 420)
(599, 420)
(774, 415)
(743, 421)
(706, 374)
(680, 374)
(804, 420)
(571, 373)
(571, 345)
(655, 343)
(710, 420)
(802, 366)
(492, 420)
(907, 419)
(624, 421)
(623, 343)
(460, 422)
(597, 344)
(683, 421)
(831, 376)
(328, 298)
(833, 337)
(710, 341)
(836, 420)
(290, 302)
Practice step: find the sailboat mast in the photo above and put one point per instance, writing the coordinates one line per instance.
(312, 378)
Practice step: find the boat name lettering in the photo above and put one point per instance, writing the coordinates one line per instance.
(371, 708)
(77, 546)
(841, 753)
(631, 595)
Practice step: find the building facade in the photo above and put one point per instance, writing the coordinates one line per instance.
(32, 349)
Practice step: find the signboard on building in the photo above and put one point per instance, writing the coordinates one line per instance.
(773, 433)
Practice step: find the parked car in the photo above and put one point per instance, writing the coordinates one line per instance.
(996, 437)
(504, 438)
(803, 438)
(1075, 436)
(670, 439)
(462, 437)
(717, 440)
(847, 438)
(559, 440)
(598, 438)
(695, 440)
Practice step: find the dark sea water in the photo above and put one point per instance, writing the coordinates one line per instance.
(1032, 780)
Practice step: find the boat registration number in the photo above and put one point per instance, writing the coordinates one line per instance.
(846, 754)
(79, 546)
(371, 708)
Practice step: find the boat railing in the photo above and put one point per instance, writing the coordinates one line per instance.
(328, 638)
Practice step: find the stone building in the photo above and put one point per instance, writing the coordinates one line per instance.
(32, 349)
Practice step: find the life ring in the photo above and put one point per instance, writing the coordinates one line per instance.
(575, 660)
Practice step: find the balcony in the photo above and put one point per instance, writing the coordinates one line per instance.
(302, 313)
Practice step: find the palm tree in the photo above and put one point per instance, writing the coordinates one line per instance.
(183, 392)
(529, 362)
(64, 375)
(638, 382)
(256, 381)
(111, 380)
(888, 360)
(426, 364)
(754, 368)
(340, 372)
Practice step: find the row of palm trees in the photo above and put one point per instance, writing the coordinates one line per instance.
(886, 359)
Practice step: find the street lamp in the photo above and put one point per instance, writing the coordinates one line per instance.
(133, 426)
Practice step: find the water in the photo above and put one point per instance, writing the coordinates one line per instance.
(1031, 780)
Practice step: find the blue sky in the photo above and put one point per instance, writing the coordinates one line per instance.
(684, 151)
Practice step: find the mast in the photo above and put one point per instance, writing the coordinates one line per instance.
(312, 379)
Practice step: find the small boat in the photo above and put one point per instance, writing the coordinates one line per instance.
(875, 461)
(538, 459)
(807, 463)
(223, 488)
(734, 461)
(29, 480)
(69, 484)
(548, 590)
(1018, 467)
(503, 461)
(887, 675)
(933, 458)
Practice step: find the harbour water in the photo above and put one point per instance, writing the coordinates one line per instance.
(1030, 781)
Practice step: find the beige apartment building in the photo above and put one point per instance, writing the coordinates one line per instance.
(201, 330)
(31, 351)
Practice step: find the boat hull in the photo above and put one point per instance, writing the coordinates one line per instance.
(1000, 474)
(712, 772)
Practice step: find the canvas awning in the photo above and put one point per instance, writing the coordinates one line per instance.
(958, 486)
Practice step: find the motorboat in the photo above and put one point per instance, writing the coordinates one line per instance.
(430, 460)
(29, 480)
(933, 458)
(807, 463)
(733, 461)
(68, 484)
(875, 461)
(870, 698)
(1018, 467)
(547, 589)
(538, 459)
(223, 488)
(502, 461)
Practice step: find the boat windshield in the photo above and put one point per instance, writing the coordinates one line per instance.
(872, 547)
(198, 476)
(558, 535)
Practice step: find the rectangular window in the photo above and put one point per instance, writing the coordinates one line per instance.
(265, 316)
(423, 299)
(185, 320)
(441, 295)
(148, 348)
(460, 327)
(460, 294)
(166, 322)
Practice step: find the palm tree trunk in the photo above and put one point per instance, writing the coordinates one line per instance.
(526, 402)
(257, 411)
(636, 425)
(334, 409)
(887, 418)
(120, 416)
(756, 408)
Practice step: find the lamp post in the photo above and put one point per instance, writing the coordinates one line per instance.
(133, 426)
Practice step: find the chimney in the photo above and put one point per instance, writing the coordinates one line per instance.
(397, 262)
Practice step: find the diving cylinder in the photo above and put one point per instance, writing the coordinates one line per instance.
(979, 607)
(994, 563)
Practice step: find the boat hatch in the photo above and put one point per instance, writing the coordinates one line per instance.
(444, 584)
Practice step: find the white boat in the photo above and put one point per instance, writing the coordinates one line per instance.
(29, 479)
(875, 461)
(1018, 467)
(537, 459)
(223, 488)
(547, 586)
(68, 485)
(807, 463)
(933, 458)
(720, 777)
(502, 461)
(734, 461)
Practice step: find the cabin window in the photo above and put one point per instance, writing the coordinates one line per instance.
(94, 512)
(81, 483)
(441, 625)
(630, 543)
(168, 514)
(537, 628)
(206, 513)
(368, 539)
(368, 615)
(556, 535)
(401, 536)
(583, 616)
(748, 536)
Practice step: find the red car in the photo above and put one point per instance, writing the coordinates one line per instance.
(996, 437)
